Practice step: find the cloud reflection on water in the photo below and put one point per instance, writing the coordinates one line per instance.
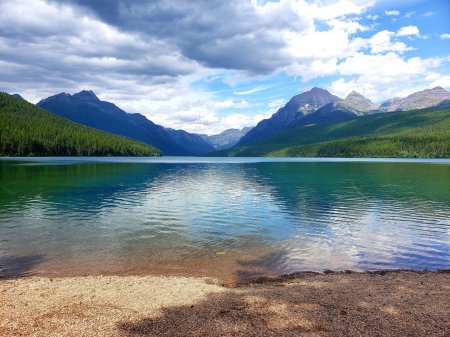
(312, 216)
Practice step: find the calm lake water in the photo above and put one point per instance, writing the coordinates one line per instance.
(228, 218)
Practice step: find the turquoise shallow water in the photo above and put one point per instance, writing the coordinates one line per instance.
(221, 216)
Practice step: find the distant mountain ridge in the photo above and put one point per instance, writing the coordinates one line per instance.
(226, 139)
(297, 108)
(357, 103)
(191, 142)
(306, 108)
(87, 109)
(418, 100)
(354, 104)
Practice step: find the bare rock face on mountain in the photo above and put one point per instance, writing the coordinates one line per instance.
(297, 108)
(418, 100)
(302, 105)
(357, 104)
(353, 105)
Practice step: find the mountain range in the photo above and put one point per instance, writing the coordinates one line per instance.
(297, 108)
(319, 106)
(302, 113)
(418, 100)
(423, 133)
(87, 109)
(226, 139)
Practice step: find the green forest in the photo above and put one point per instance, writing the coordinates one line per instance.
(411, 134)
(27, 130)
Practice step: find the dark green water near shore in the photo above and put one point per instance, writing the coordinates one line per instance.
(213, 216)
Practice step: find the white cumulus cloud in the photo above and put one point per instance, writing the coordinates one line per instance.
(69, 45)
(383, 42)
(385, 75)
(408, 30)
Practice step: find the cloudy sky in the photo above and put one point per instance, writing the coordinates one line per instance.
(209, 65)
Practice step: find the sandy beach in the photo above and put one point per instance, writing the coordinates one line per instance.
(398, 303)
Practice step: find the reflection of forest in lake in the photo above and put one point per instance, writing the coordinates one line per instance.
(310, 215)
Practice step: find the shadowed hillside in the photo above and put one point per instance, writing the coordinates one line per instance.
(26, 130)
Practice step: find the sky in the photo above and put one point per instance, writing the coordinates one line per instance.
(206, 66)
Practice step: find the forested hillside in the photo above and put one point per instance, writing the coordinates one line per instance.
(27, 130)
(419, 133)
(87, 109)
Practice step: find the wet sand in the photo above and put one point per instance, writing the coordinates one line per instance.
(229, 267)
(401, 303)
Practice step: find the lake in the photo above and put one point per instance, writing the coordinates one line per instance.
(231, 218)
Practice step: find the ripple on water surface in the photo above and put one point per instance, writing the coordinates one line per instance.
(221, 217)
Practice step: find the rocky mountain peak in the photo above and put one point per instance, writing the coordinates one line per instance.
(315, 96)
(356, 103)
(318, 90)
(308, 102)
(417, 100)
(298, 107)
(354, 94)
(86, 95)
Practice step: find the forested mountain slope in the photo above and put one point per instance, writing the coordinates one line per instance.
(418, 133)
(29, 130)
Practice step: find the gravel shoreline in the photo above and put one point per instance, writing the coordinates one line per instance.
(398, 303)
